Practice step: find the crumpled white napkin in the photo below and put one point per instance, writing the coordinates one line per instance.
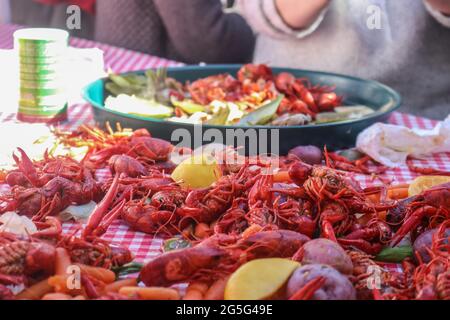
(392, 144)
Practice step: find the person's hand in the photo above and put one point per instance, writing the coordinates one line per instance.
(300, 14)
(440, 5)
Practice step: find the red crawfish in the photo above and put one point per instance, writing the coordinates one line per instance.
(361, 165)
(339, 199)
(127, 165)
(38, 173)
(388, 285)
(22, 257)
(101, 217)
(95, 252)
(269, 206)
(254, 72)
(56, 195)
(206, 205)
(425, 211)
(432, 279)
(216, 87)
(312, 99)
(149, 148)
(218, 256)
(139, 145)
(158, 215)
(233, 221)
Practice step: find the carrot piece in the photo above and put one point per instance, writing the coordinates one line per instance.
(217, 290)
(62, 261)
(59, 284)
(397, 193)
(282, 176)
(401, 185)
(102, 274)
(150, 293)
(254, 228)
(117, 285)
(202, 231)
(36, 291)
(56, 296)
(195, 291)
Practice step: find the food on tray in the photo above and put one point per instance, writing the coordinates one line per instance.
(259, 279)
(235, 227)
(319, 282)
(255, 96)
(198, 171)
(324, 251)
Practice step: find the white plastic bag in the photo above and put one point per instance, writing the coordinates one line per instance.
(392, 144)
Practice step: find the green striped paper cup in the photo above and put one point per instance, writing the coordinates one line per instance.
(41, 69)
(26, 76)
(62, 116)
(41, 65)
(36, 101)
(42, 84)
(36, 93)
(41, 42)
(41, 59)
(45, 111)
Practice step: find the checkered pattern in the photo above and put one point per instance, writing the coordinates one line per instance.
(120, 60)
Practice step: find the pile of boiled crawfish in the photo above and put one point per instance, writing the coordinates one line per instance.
(252, 211)
(300, 96)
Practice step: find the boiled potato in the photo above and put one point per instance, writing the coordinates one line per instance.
(259, 279)
(423, 183)
(198, 171)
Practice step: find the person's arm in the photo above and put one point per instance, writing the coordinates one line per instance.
(440, 10)
(271, 17)
(201, 32)
(442, 6)
(300, 14)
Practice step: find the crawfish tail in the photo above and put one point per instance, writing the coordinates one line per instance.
(181, 265)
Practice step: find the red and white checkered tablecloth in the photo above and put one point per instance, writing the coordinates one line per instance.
(121, 60)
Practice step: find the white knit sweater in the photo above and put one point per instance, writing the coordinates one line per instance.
(410, 52)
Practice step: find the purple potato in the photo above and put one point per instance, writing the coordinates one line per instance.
(336, 286)
(308, 154)
(324, 251)
(423, 242)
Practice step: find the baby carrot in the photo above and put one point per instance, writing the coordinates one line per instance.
(195, 291)
(36, 291)
(56, 296)
(217, 289)
(397, 193)
(102, 274)
(59, 283)
(282, 176)
(62, 261)
(150, 293)
(117, 285)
